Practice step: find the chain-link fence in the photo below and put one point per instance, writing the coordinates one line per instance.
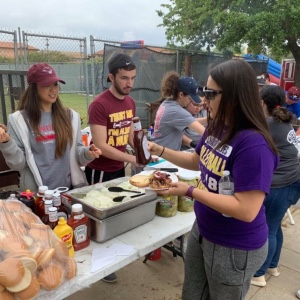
(152, 63)
(85, 70)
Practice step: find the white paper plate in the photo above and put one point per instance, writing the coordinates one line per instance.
(172, 176)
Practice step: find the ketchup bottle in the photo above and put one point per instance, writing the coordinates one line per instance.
(79, 223)
(140, 141)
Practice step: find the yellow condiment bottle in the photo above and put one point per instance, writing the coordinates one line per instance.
(65, 233)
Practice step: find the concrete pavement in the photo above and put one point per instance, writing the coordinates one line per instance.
(162, 279)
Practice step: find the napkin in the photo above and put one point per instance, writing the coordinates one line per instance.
(102, 257)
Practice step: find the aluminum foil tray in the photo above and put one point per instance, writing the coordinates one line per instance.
(103, 213)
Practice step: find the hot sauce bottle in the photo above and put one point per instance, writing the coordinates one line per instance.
(47, 205)
(79, 223)
(61, 211)
(140, 141)
(52, 217)
(48, 195)
(39, 198)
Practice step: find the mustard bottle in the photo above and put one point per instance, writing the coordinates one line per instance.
(65, 233)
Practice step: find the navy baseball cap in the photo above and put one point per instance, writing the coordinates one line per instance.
(189, 86)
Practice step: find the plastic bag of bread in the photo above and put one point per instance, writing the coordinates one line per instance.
(32, 257)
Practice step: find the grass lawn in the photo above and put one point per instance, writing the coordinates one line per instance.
(78, 102)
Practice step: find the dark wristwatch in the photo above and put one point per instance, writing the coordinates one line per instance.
(193, 144)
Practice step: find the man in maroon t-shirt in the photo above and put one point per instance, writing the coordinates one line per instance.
(110, 119)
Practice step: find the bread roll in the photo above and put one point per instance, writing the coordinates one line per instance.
(29, 293)
(61, 250)
(10, 244)
(18, 253)
(6, 295)
(45, 258)
(11, 272)
(27, 218)
(139, 180)
(71, 268)
(13, 206)
(23, 284)
(51, 277)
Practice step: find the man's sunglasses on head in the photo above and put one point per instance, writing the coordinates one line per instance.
(209, 94)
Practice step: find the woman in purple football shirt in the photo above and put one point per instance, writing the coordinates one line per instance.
(223, 252)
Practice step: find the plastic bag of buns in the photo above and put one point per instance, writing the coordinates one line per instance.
(32, 257)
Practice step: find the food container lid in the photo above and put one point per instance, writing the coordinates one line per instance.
(48, 193)
(187, 175)
(42, 189)
(77, 207)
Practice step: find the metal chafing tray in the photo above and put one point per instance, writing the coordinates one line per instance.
(103, 230)
(103, 213)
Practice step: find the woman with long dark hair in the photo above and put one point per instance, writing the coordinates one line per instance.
(223, 253)
(43, 139)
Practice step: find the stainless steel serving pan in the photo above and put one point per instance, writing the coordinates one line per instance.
(103, 213)
(103, 230)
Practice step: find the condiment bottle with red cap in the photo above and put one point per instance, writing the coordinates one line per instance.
(27, 198)
(79, 223)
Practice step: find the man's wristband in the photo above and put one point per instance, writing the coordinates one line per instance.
(189, 192)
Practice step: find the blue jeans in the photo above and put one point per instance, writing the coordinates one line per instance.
(276, 204)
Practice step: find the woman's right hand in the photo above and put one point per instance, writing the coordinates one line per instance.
(4, 136)
(154, 148)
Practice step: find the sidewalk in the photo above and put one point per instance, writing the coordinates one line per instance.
(162, 279)
(286, 285)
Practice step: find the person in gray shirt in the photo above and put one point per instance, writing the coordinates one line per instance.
(285, 187)
(172, 117)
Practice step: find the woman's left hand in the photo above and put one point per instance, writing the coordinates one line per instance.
(94, 152)
(176, 189)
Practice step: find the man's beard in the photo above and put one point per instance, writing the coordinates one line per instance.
(121, 92)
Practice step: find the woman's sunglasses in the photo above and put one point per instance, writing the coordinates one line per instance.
(208, 94)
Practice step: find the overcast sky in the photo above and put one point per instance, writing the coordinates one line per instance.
(119, 20)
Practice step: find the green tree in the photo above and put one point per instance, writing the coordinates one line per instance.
(266, 26)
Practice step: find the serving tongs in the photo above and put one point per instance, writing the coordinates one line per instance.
(119, 189)
(170, 170)
(120, 198)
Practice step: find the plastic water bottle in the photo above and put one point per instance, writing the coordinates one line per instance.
(12, 197)
(226, 186)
